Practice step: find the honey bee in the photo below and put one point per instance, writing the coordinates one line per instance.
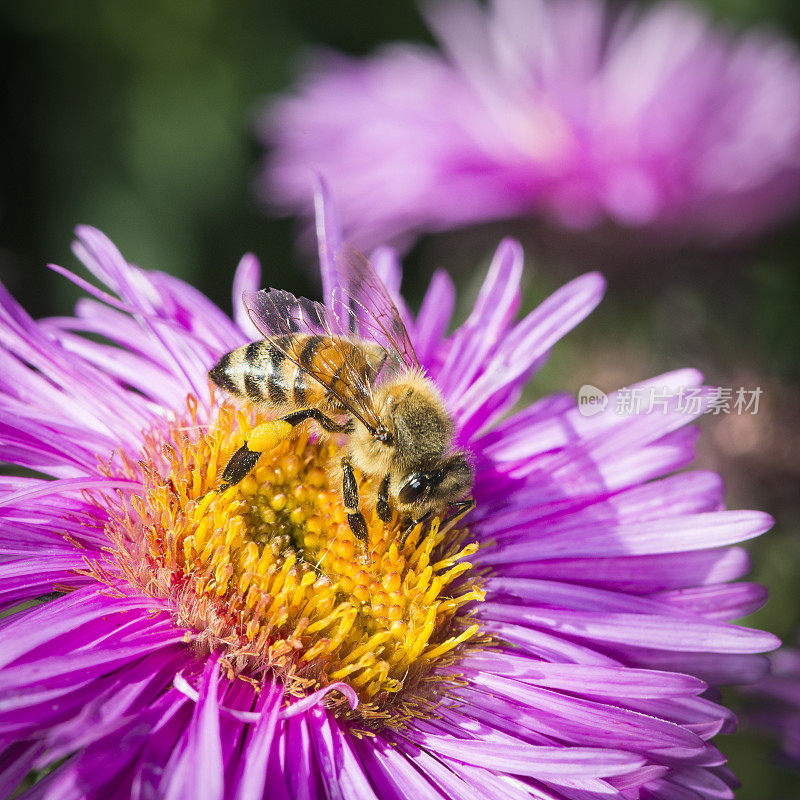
(352, 370)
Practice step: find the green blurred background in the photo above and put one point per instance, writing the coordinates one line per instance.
(137, 117)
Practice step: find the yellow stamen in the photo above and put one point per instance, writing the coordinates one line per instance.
(269, 571)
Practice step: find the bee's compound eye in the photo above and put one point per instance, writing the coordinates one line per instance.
(415, 487)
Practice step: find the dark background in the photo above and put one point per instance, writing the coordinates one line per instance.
(137, 117)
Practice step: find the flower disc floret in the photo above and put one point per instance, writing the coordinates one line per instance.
(268, 571)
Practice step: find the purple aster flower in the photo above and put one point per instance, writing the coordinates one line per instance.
(649, 118)
(232, 644)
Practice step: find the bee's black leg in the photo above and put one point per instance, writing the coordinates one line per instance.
(462, 508)
(266, 436)
(411, 525)
(242, 461)
(326, 423)
(382, 506)
(350, 497)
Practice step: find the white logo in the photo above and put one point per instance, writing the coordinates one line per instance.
(591, 400)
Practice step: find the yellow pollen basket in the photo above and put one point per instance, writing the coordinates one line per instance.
(269, 571)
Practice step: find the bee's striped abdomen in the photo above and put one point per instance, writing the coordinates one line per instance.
(263, 373)
(263, 376)
(304, 350)
(254, 372)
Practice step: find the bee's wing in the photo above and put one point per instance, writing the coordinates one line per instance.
(363, 307)
(341, 367)
(276, 312)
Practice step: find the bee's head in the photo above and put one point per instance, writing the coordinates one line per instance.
(441, 484)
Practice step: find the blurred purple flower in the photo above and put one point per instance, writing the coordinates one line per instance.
(778, 697)
(648, 118)
(607, 576)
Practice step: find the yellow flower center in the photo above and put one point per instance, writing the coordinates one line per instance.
(269, 571)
